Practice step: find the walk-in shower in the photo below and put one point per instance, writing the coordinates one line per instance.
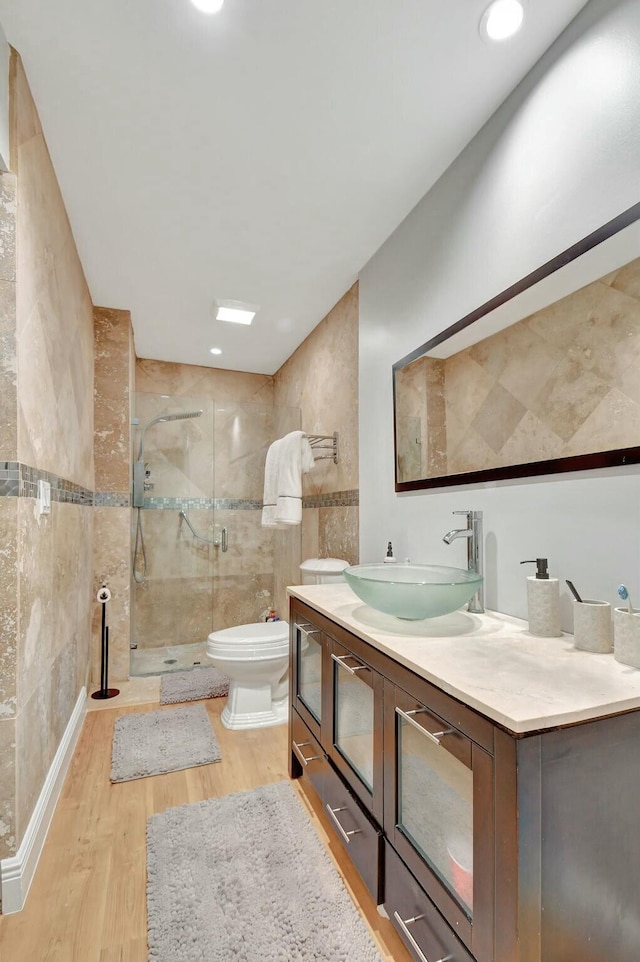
(142, 483)
(202, 560)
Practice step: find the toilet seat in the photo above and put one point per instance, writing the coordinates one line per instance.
(254, 642)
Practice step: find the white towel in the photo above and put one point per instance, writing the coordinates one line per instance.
(270, 496)
(296, 458)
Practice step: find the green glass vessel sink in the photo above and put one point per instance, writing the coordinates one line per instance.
(413, 591)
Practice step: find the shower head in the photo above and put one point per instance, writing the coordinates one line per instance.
(178, 416)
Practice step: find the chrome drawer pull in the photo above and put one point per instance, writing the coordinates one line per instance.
(345, 835)
(297, 746)
(435, 737)
(414, 945)
(306, 629)
(339, 659)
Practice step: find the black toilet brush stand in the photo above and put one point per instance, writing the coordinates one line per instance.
(105, 692)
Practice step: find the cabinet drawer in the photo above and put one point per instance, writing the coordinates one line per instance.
(360, 836)
(309, 753)
(424, 931)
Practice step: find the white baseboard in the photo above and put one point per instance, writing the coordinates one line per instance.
(17, 872)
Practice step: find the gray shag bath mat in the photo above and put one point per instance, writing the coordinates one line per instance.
(156, 742)
(193, 685)
(245, 877)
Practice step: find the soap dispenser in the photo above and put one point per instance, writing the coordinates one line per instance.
(390, 557)
(543, 601)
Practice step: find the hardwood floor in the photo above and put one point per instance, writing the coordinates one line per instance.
(87, 902)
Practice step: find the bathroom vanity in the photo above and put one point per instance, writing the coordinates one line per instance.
(484, 782)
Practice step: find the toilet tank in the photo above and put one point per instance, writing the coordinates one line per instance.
(322, 571)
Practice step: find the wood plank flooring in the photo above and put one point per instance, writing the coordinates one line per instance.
(87, 902)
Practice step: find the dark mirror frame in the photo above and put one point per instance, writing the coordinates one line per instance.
(599, 459)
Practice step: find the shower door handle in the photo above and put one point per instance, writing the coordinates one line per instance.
(224, 539)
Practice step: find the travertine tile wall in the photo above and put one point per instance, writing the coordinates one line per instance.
(8, 518)
(47, 429)
(321, 378)
(113, 398)
(187, 380)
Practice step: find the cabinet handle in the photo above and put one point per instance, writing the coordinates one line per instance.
(434, 736)
(404, 924)
(297, 746)
(306, 629)
(345, 835)
(339, 659)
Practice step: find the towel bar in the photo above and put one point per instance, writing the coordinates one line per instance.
(315, 440)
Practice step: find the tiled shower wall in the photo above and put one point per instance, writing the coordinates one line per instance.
(321, 378)
(46, 385)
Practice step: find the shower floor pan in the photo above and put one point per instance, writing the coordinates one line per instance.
(160, 661)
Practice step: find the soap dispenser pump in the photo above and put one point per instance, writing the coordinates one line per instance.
(390, 557)
(543, 601)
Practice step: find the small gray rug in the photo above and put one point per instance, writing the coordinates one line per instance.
(245, 877)
(156, 742)
(193, 685)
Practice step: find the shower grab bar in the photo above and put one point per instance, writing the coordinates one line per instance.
(223, 541)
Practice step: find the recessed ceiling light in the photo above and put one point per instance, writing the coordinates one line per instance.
(501, 20)
(235, 315)
(235, 311)
(208, 6)
(215, 350)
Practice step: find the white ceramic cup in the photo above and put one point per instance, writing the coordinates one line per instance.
(626, 631)
(592, 626)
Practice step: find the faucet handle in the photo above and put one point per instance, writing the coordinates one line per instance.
(468, 513)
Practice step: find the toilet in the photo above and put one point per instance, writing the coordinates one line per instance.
(255, 657)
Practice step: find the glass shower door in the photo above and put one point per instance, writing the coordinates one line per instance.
(173, 533)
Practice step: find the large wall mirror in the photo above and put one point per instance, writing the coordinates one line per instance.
(543, 378)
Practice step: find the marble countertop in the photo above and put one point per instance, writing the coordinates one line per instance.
(490, 662)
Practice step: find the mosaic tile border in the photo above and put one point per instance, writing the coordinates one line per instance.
(109, 499)
(193, 504)
(18, 480)
(335, 499)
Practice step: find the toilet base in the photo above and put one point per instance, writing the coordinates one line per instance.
(253, 708)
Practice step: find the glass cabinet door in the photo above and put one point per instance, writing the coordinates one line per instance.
(435, 798)
(309, 661)
(353, 713)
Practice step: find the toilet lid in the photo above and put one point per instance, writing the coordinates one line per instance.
(324, 566)
(261, 636)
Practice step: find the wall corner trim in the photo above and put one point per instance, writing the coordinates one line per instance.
(17, 872)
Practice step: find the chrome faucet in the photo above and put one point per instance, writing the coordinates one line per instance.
(473, 534)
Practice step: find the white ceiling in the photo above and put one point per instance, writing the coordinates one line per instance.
(262, 154)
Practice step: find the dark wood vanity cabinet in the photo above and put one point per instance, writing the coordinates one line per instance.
(401, 764)
(337, 717)
(483, 845)
(439, 808)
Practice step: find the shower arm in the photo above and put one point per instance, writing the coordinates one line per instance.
(222, 542)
